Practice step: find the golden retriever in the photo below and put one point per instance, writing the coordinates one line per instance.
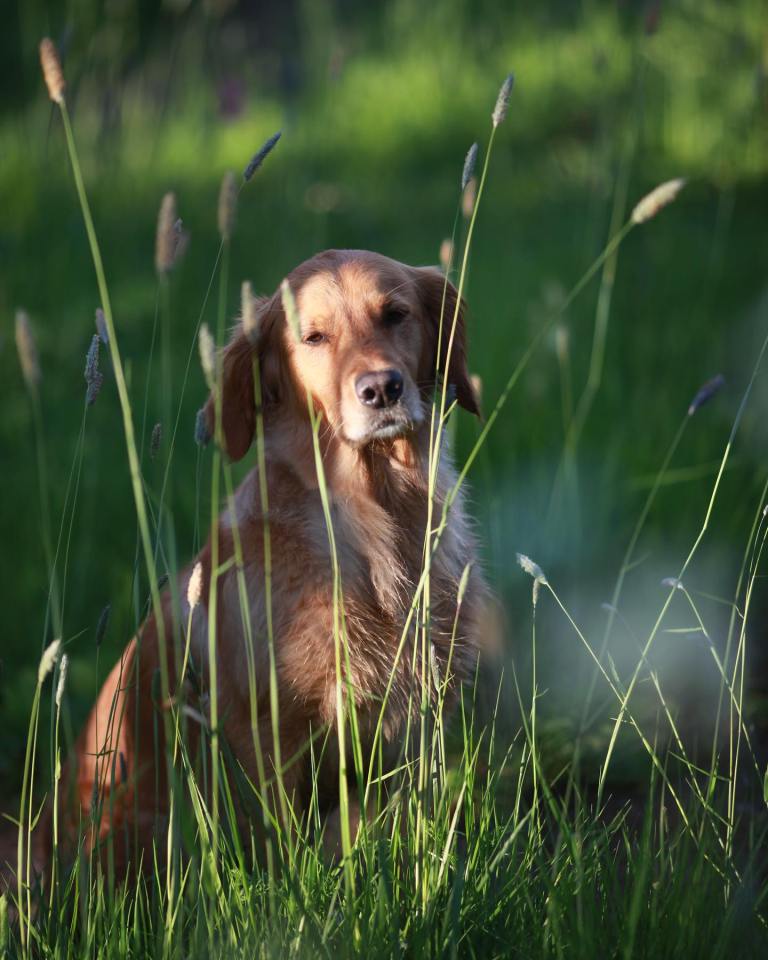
(367, 355)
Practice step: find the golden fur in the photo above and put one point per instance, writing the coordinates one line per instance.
(374, 314)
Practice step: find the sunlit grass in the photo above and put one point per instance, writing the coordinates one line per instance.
(508, 849)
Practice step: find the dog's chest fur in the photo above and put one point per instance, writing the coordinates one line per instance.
(379, 540)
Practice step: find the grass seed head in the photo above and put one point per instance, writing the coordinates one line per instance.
(27, 349)
(291, 310)
(52, 72)
(227, 213)
(195, 586)
(531, 567)
(260, 156)
(502, 101)
(166, 239)
(48, 660)
(672, 583)
(62, 680)
(534, 570)
(155, 440)
(705, 392)
(562, 342)
(446, 254)
(202, 434)
(101, 326)
(102, 624)
(468, 198)
(476, 381)
(182, 241)
(656, 200)
(249, 309)
(93, 377)
(207, 355)
(470, 162)
(93, 389)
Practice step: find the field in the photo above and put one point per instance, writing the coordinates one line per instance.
(602, 791)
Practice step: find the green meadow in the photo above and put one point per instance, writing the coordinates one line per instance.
(604, 787)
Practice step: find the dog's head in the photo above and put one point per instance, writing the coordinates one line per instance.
(367, 350)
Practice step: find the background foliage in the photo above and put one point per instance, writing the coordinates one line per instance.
(378, 104)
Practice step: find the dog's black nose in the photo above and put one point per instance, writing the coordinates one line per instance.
(379, 388)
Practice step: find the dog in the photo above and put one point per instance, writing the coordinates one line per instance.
(375, 341)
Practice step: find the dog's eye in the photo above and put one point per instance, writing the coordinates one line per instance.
(392, 316)
(313, 339)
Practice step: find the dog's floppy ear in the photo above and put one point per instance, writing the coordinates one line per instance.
(238, 406)
(440, 303)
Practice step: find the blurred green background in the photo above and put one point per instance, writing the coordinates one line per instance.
(378, 103)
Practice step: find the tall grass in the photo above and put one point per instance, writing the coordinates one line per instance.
(473, 845)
